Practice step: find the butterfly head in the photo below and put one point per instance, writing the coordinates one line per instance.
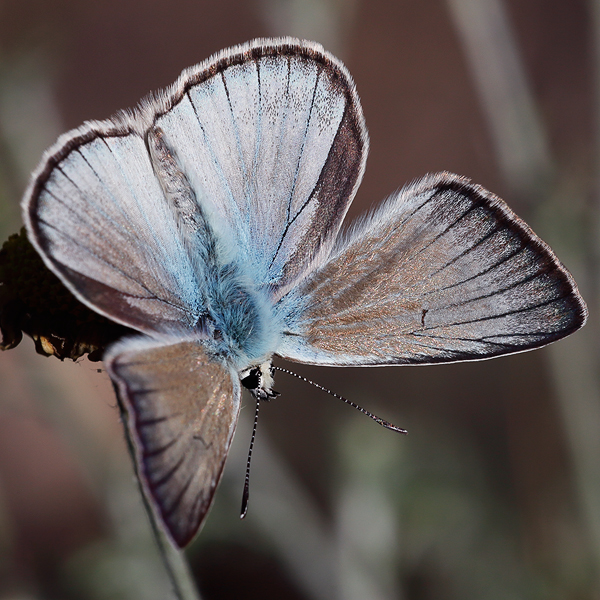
(259, 381)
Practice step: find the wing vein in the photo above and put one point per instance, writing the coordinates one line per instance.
(449, 226)
(166, 476)
(90, 199)
(498, 316)
(297, 171)
(216, 163)
(238, 142)
(179, 497)
(480, 241)
(504, 259)
(150, 226)
(499, 291)
(158, 451)
(152, 295)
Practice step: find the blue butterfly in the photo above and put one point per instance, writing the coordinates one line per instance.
(208, 219)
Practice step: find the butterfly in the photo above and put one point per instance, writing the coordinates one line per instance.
(209, 220)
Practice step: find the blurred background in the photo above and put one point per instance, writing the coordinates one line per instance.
(496, 491)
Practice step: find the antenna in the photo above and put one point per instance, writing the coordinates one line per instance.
(364, 411)
(246, 493)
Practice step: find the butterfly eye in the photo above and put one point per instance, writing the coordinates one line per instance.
(252, 380)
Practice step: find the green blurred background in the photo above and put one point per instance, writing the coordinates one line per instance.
(496, 491)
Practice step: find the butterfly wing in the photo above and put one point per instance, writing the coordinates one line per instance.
(279, 148)
(182, 409)
(98, 216)
(443, 272)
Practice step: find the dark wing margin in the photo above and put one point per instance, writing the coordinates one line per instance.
(443, 272)
(181, 412)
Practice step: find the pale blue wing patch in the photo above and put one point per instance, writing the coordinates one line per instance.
(182, 409)
(279, 147)
(443, 272)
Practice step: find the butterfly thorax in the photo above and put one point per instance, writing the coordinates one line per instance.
(238, 324)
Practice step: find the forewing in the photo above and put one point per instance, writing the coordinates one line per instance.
(443, 272)
(97, 213)
(272, 137)
(182, 409)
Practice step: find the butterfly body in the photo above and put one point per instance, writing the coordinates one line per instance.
(238, 324)
(209, 219)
